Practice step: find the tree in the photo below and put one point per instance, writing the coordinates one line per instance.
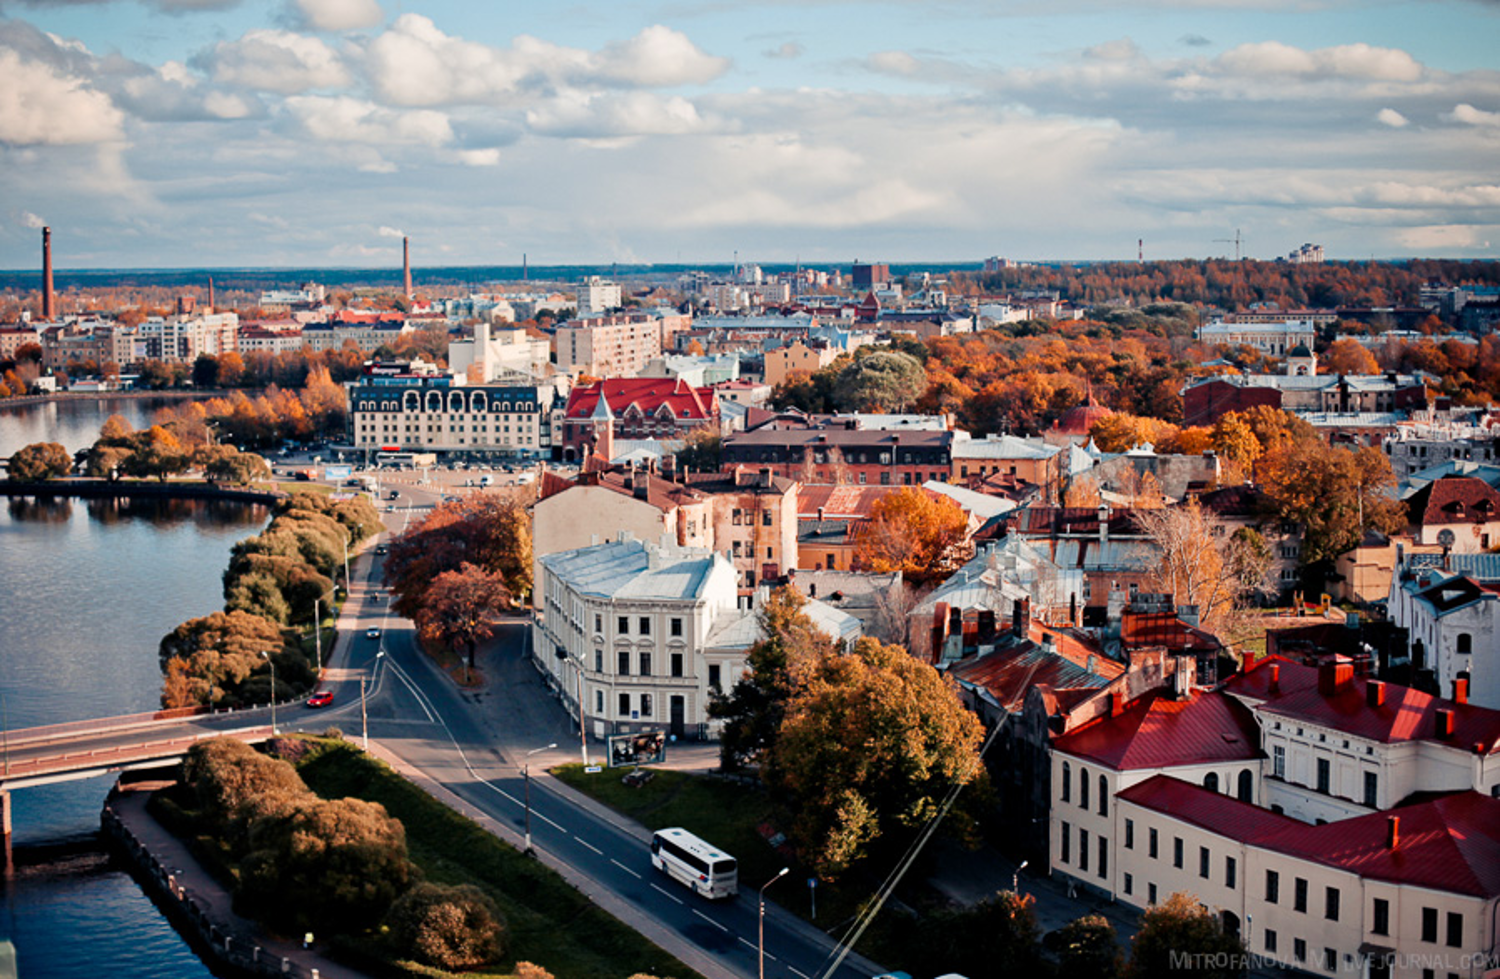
(1336, 494)
(871, 743)
(209, 659)
(448, 927)
(461, 605)
(996, 937)
(1181, 939)
(1199, 564)
(1347, 356)
(701, 450)
(753, 708)
(487, 530)
(205, 371)
(1121, 432)
(884, 381)
(912, 531)
(157, 453)
(235, 785)
(1087, 947)
(39, 461)
(226, 464)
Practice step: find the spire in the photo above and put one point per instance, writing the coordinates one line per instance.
(601, 408)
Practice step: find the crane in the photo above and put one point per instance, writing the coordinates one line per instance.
(1235, 241)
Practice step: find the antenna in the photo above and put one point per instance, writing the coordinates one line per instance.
(1236, 241)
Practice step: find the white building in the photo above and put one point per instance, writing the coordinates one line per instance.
(1451, 611)
(430, 415)
(182, 339)
(597, 295)
(1274, 338)
(491, 353)
(618, 345)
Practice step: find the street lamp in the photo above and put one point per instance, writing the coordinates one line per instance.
(761, 937)
(526, 781)
(1015, 878)
(269, 659)
(364, 721)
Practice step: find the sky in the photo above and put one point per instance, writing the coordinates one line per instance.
(268, 133)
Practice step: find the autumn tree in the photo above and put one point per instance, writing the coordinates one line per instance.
(461, 606)
(1201, 565)
(211, 660)
(883, 381)
(226, 464)
(157, 452)
(449, 927)
(1121, 432)
(1087, 947)
(487, 530)
(234, 785)
(1181, 939)
(1335, 493)
(1347, 356)
(701, 450)
(996, 937)
(753, 708)
(39, 461)
(918, 533)
(871, 744)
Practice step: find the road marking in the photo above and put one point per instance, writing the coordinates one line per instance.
(749, 943)
(669, 897)
(584, 842)
(626, 869)
(799, 972)
(710, 920)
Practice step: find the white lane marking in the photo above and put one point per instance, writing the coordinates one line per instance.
(669, 897)
(586, 843)
(799, 972)
(710, 920)
(625, 868)
(749, 942)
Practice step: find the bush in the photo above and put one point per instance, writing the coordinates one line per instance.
(448, 927)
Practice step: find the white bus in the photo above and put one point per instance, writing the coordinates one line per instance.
(694, 863)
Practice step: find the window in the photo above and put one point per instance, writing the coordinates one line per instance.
(1429, 924)
(598, 661)
(765, 518)
(624, 705)
(1465, 644)
(645, 626)
(1330, 960)
(1150, 893)
(1083, 788)
(1331, 903)
(622, 666)
(1455, 930)
(713, 676)
(1203, 859)
(1177, 852)
(1299, 895)
(1130, 834)
(1278, 761)
(1381, 924)
(645, 664)
(622, 625)
(598, 701)
(1152, 845)
(1067, 782)
(1270, 940)
(1103, 856)
(675, 628)
(645, 705)
(1129, 884)
(1103, 796)
(1083, 849)
(1211, 782)
(598, 623)
(1273, 887)
(1246, 790)
(1229, 872)
(1066, 843)
(1299, 949)
(1372, 786)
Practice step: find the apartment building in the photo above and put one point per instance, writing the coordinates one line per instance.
(430, 414)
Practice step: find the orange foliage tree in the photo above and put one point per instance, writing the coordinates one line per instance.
(918, 533)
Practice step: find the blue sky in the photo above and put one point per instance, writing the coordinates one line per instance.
(315, 132)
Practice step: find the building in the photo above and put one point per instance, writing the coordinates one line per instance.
(13, 338)
(1204, 400)
(1461, 513)
(1274, 336)
(394, 407)
(1308, 254)
(755, 522)
(183, 339)
(1420, 445)
(865, 275)
(1031, 460)
(843, 453)
(798, 356)
(637, 408)
(1450, 607)
(597, 295)
(618, 345)
(367, 331)
(278, 337)
(492, 353)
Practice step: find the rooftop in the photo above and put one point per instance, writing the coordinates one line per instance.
(1158, 731)
(632, 569)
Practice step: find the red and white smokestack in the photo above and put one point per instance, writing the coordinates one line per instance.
(406, 265)
(49, 297)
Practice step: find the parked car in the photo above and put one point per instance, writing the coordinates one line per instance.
(320, 699)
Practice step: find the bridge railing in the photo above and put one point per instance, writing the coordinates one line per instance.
(108, 757)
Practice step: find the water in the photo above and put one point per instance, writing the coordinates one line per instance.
(87, 589)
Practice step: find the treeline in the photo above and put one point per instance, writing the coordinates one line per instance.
(226, 659)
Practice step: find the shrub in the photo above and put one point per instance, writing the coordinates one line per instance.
(448, 927)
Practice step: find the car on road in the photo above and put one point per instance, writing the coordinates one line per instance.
(372, 633)
(320, 699)
(393, 495)
(381, 549)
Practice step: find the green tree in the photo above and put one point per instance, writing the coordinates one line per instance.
(461, 605)
(1087, 947)
(1181, 939)
(226, 464)
(448, 927)
(884, 381)
(872, 742)
(39, 461)
(205, 371)
(996, 937)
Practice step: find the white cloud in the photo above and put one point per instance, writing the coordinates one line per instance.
(486, 157)
(619, 114)
(276, 61)
(172, 93)
(1351, 61)
(336, 15)
(1392, 118)
(786, 50)
(40, 105)
(657, 57)
(386, 231)
(898, 63)
(1471, 116)
(344, 119)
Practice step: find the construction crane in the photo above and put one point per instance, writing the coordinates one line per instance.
(1235, 241)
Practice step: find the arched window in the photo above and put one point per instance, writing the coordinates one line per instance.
(1103, 796)
(1083, 788)
(1211, 782)
(1067, 782)
(1247, 786)
(1465, 644)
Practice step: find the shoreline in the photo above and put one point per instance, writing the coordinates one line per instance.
(142, 489)
(171, 394)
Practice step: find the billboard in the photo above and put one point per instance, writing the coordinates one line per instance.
(337, 472)
(645, 748)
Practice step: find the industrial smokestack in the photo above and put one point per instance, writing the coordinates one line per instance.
(406, 265)
(49, 298)
(210, 295)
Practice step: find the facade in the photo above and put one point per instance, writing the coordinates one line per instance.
(755, 522)
(623, 627)
(1206, 399)
(798, 356)
(638, 408)
(1461, 512)
(1274, 337)
(597, 295)
(843, 454)
(491, 353)
(263, 338)
(430, 414)
(366, 334)
(868, 275)
(1031, 460)
(183, 339)
(1450, 607)
(1412, 448)
(618, 345)
(12, 338)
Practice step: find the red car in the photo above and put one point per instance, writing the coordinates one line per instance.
(320, 699)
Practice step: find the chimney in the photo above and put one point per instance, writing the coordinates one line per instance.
(642, 488)
(1116, 703)
(49, 297)
(1334, 676)
(1392, 832)
(1103, 524)
(1274, 686)
(406, 266)
(1020, 622)
(1444, 719)
(820, 514)
(1375, 693)
(1461, 690)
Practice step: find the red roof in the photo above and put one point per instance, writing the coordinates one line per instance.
(1078, 421)
(1454, 499)
(1159, 731)
(1141, 629)
(646, 393)
(1013, 669)
(842, 502)
(1408, 714)
(1449, 844)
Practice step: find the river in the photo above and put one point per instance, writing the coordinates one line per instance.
(87, 589)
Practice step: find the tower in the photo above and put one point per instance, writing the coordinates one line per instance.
(210, 295)
(406, 266)
(602, 425)
(49, 298)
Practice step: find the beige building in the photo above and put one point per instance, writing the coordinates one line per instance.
(797, 356)
(12, 338)
(609, 346)
(418, 413)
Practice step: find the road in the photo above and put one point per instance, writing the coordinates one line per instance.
(472, 743)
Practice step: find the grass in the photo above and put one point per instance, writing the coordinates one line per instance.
(550, 923)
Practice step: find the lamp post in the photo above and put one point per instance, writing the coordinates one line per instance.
(348, 585)
(1015, 878)
(318, 633)
(526, 781)
(760, 947)
(272, 662)
(364, 720)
